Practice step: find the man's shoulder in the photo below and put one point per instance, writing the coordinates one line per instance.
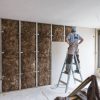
(69, 34)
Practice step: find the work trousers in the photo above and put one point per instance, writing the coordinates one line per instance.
(70, 58)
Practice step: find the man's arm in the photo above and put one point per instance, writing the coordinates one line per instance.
(67, 40)
(81, 40)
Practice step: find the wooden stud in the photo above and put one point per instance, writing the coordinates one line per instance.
(0, 57)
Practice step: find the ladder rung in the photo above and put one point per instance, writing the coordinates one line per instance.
(63, 82)
(76, 72)
(77, 80)
(65, 73)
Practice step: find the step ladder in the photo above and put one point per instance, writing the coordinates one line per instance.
(70, 71)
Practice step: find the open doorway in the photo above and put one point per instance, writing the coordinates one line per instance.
(97, 49)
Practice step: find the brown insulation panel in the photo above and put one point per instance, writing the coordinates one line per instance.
(58, 33)
(44, 54)
(28, 47)
(10, 64)
(68, 30)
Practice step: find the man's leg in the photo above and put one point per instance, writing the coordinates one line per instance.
(78, 61)
(68, 63)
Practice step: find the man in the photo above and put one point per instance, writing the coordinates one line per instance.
(73, 39)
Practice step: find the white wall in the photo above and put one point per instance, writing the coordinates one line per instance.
(59, 50)
(86, 54)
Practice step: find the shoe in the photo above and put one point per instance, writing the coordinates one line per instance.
(66, 72)
(76, 71)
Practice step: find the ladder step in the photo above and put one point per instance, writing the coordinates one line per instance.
(78, 80)
(76, 72)
(63, 82)
(74, 63)
(65, 73)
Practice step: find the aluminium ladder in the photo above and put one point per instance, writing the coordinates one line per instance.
(69, 73)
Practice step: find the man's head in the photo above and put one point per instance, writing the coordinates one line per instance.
(73, 29)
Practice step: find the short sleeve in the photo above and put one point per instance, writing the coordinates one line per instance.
(68, 37)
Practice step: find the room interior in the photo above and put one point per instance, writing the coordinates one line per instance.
(33, 46)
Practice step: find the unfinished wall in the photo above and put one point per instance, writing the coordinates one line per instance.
(26, 53)
(44, 54)
(10, 66)
(19, 57)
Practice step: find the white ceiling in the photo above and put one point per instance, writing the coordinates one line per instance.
(83, 13)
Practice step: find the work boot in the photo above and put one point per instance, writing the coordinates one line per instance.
(67, 69)
(77, 70)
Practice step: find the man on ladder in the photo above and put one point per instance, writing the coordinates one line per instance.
(73, 39)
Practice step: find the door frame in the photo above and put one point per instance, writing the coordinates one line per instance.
(97, 68)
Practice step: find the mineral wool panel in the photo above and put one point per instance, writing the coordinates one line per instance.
(68, 30)
(44, 54)
(44, 29)
(44, 46)
(44, 62)
(28, 57)
(44, 40)
(44, 78)
(10, 64)
(58, 33)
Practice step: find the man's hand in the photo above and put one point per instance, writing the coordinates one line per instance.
(73, 44)
(81, 40)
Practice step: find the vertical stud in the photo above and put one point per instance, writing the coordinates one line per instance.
(19, 55)
(51, 55)
(51, 32)
(0, 58)
(36, 54)
(64, 33)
